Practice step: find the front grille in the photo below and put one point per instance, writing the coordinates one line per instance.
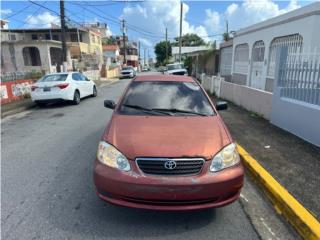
(184, 166)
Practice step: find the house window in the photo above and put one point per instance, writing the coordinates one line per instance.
(258, 51)
(31, 56)
(226, 61)
(293, 44)
(34, 37)
(241, 59)
(55, 37)
(12, 37)
(47, 36)
(55, 56)
(93, 38)
(74, 38)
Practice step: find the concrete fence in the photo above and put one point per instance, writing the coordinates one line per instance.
(93, 75)
(252, 99)
(212, 84)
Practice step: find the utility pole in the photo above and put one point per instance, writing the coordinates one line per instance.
(124, 42)
(166, 45)
(144, 55)
(139, 58)
(227, 27)
(63, 36)
(180, 38)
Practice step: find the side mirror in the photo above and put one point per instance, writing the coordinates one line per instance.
(221, 105)
(109, 104)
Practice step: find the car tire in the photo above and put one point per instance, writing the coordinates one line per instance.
(95, 92)
(76, 98)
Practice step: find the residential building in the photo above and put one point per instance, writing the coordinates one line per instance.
(27, 50)
(132, 58)
(186, 51)
(255, 47)
(111, 54)
(4, 24)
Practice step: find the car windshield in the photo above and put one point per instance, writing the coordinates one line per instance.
(165, 98)
(54, 78)
(174, 66)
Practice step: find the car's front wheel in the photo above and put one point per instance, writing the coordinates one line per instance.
(95, 92)
(76, 98)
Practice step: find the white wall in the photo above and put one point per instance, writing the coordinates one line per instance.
(249, 98)
(307, 27)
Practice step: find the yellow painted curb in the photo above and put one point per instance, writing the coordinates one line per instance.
(285, 204)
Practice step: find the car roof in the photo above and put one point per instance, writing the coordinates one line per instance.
(165, 78)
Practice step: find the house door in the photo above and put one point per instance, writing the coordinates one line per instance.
(256, 80)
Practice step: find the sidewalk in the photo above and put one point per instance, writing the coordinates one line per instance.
(294, 163)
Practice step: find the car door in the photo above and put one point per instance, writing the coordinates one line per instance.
(87, 84)
(76, 78)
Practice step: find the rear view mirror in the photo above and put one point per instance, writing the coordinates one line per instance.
(109, 104)
(221, 105)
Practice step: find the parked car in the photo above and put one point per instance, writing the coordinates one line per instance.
(176, 69)
(167, 148)
(68, 86)
(128, 72)
(145, 69)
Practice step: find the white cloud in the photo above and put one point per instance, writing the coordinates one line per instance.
(43, 20)
(5, 11)
(250, 12)
(145, 42)
(154, 17)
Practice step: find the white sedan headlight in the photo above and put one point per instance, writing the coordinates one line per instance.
(227, 157)
(110, 156)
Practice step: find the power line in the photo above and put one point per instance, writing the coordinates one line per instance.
(21, 10)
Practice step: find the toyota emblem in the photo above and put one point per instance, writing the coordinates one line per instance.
(170, 164)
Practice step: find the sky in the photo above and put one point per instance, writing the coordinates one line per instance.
(146, 21)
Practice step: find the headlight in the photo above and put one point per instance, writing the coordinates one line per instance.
(110, 156)
(227, 157)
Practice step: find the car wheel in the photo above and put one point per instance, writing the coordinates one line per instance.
(76, 98)
(95, 93)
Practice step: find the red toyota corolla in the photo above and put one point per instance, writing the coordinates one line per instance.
(167, 148)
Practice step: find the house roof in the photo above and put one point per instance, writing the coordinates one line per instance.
(110, 47)
(309, 10)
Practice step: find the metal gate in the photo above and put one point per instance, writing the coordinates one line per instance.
(256, 80)
(296, 96)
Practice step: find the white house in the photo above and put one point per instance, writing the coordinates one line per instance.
(255, 47)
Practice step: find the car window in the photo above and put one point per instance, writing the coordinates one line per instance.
(174, 66)
(82, 77)
(186, 96)
(76, 76)
(54, 78)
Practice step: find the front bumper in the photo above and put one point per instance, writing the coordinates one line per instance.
(138, 190)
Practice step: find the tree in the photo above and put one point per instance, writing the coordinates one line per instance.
(226, 36)
(160, 51)
(190, 40)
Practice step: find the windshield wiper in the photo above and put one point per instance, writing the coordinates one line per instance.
(175, 110)
(147, 110)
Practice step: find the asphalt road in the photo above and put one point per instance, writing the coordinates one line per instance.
(47, 186)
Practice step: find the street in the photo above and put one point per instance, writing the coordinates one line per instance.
(57, 145)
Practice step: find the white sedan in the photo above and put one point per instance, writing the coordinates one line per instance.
(69, 86)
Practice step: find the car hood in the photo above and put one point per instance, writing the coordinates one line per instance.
(157, 136)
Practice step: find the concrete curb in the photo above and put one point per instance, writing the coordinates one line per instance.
(17, 110)
(301, 219)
